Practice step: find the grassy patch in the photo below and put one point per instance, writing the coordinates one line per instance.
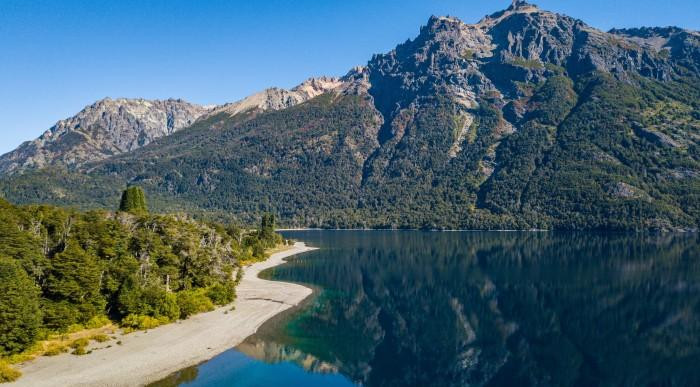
(527, 63)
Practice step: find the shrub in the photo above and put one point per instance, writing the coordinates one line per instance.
(82, 342)
(222, 294)
(100, 338)
(135, 321)
(74, 328)
(193, 302)
(80, 346)
(55, 349)
(7, 373)
(150, 301)
(97, 322)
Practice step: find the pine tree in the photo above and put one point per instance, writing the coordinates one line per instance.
(133, 200)
(20, 316)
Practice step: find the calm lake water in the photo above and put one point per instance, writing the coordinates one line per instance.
(404, 308)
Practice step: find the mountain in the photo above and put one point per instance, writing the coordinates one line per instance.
(278, 99)
(106, 128)
(526, 119)
(111, 127)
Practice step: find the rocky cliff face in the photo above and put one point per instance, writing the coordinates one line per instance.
(522, 44)
(106, 128)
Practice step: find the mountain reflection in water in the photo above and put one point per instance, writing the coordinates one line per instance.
(405, 308)
(417, 308)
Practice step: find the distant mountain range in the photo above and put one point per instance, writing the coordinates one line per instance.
(527, 119)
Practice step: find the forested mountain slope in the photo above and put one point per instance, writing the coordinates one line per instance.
(527, 119)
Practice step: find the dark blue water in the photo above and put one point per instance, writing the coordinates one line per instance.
(404, 308)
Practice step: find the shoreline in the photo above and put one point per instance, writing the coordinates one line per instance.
(414, 229)
(148, 356)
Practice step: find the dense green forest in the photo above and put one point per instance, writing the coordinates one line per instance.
(63, 270)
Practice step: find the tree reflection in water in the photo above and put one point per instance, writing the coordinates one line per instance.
(565, 309)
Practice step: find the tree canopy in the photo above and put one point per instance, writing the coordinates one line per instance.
(62, 268)
(133, 200)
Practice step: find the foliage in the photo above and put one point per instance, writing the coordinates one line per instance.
(20, 317)
(152, 301)
(7, 373)
(193, 302)
(133, 200)
(136, 321)
(100, 338)
(222, 293)
(73, 287)
(62, 270)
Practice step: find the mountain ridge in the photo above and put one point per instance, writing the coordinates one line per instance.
(526, 119)
(102, 129)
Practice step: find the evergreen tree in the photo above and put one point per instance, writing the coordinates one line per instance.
(133, 200)
(266, 234)
(20, 316)
(74, 286)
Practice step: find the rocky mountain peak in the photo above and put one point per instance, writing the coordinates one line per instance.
(105, 128)
(520, 5)
(523, 44)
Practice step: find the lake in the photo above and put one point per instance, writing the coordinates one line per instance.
(410, 308)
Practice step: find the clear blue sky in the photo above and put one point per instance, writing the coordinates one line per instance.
(57, 56)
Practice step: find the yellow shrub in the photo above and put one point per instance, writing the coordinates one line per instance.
(55, 349)
(7, 373)
(82, 342)
(74, 328)
(135, 321)
(100, 338)
(97, 322)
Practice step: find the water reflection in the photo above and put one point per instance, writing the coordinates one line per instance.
(414, 308)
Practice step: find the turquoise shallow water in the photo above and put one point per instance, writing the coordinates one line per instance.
(409, 308)
(236, 369)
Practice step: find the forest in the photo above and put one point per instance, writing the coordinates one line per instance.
(575, 162)
(62, 270)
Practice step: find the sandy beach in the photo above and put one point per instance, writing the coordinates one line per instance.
(145, 357)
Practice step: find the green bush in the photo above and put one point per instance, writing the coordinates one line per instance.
(151, 301)
(193, 302)
(222, 293)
